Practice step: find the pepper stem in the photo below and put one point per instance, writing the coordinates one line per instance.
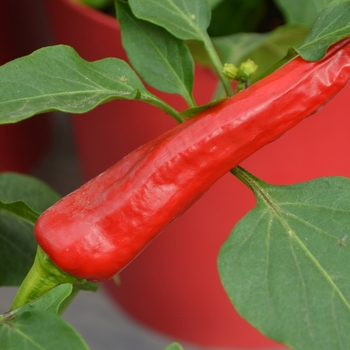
(42, 277)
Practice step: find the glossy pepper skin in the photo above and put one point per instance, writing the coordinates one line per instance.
(95, 231)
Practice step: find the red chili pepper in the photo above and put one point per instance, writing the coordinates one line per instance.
(95, 231)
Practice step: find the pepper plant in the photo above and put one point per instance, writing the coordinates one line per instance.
(285, 264)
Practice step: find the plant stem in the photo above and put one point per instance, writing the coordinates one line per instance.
(247, 178)
(190, 101)
(42, 277)
(215, 59)
(155, 101)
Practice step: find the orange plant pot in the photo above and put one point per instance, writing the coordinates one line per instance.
(173, 286)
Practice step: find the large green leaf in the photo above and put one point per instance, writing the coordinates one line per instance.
(187, 20)
(22, 199)
(38, 330)
(57, 78)
(161, 59)
(301, 12)
(37, 326)
(332, 25)
(286, 265)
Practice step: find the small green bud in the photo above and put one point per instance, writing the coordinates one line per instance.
(230, 70)
(247, 69)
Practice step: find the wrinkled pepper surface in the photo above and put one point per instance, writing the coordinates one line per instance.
(95, 231)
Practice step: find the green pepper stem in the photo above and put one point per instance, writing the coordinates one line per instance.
(41, 278)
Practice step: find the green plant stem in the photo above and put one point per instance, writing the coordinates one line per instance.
(247, 178)
(41, 278)
(155, 101)
(190, 101)
(215, 59)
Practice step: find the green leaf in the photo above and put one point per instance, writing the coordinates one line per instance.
(214, 3)
(301, 11)
(25, 196)
(187, 20)
(234, 48)
(51, 301)
(57, 78)
(237, 16)
(174, 346)
(286, 266)
(22, 199)
(57, 299)
(21, 210)
(38, 330)
(17, 187)
(162, 60)
(17, 249)
(332, 25)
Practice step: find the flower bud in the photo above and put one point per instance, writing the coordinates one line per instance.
(247, 69)
(230, 70)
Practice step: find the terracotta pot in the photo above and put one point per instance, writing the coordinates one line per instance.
(22, 144)
(174, 286)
